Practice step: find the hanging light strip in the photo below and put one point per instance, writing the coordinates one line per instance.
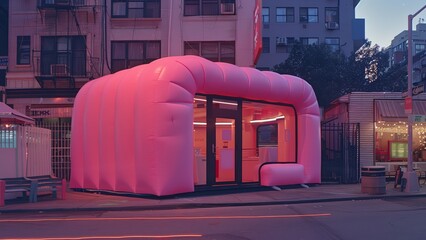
(267, 120)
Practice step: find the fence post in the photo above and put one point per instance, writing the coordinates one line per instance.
(2, 192)
(64, 189)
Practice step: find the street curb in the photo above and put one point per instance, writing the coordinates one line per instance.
(205, 205)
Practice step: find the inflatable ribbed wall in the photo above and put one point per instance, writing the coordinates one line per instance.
(132, 130)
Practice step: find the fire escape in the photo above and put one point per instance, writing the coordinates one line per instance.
(63, 59)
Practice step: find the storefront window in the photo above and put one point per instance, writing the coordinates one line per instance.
(269, 135)
(200, 139)
(392, 142)
(265, 133)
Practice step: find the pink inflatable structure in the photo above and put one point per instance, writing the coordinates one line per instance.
(132, 131)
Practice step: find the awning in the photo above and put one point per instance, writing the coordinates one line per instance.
(393, 110)
(9, 115)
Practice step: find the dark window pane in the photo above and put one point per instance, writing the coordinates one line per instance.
(117, 65)
(136, 8)
(192, 48)
(129, 54)
(192, 7)
(153, 50)
(118, 9)
(23, 50)
(135, 50)
(210, 7)
(265, 45)
(118, 50)
(152, 9)
(227, 52)
(210, 50)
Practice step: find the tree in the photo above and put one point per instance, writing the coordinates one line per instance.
(332, 75)
(319, 66)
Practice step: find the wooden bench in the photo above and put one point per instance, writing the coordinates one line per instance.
(51, 183)
(32, 186)
(21, 184)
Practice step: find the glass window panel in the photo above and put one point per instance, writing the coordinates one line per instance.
(333, 43)
(137, 4)
(135, 50)
(265, 45)
(136, 13)
(192, 7)
(331, 15)
(269, 135)
(210, 7)
(313, 41)
(210, 50)
(200, 139)
(117, 65)
(192, 48)
(153, 50)
(23, 50)
(265, 15)
(312, 11)
(227, 50)
(118, 50)
(133, 63)
(118, 9)
(152, 9)
(48, 44)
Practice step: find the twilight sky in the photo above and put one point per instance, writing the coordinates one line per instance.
(384, 19)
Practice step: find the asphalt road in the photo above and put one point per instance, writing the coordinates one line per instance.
(369, 219)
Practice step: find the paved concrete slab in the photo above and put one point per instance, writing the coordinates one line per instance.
(93, 201)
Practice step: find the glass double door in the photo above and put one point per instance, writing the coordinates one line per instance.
(223, 141)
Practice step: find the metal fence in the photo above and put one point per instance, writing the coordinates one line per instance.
(340, 160)
(61, 140)
(24, 151)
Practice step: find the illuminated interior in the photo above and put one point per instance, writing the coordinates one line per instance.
(391, 141)
(268, 134)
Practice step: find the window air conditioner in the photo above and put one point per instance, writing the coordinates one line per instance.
(59, 70)
(331, 25)
(227, 8)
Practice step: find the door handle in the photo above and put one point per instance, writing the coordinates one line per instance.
(213, 149)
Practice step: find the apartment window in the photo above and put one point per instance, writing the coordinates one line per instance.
(309, 41)
(332, 18)
(23, 50)
(213, 51)
(63, 55)
(284, 45)
(308, 15)
(127, 54)
(265, 15)
(265, 45)
(419, 48)
(331, 14)
(285, 14)
(209, 7)
(136, 8)
(333, 43)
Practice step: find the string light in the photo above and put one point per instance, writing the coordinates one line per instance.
(401, 129)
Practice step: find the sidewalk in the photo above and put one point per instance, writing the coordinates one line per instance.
(92, 201)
